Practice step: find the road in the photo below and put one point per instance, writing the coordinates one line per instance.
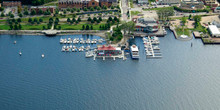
(124, 6)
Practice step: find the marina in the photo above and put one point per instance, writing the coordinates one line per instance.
(151, 47)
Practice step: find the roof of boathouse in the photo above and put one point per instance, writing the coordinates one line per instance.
(106, 48)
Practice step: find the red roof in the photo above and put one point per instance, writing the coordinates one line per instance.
(106, 48)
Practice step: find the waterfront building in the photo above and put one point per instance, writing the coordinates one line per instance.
(146, 24)
(11, 3)
(168, 2)
(212, 3)
(108, 50)
(191, 4)
(43, 8)
(214, 31)
(85, 3)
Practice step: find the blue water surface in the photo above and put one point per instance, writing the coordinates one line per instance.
(186, 78)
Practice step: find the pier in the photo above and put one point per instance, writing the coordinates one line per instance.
(150, 50)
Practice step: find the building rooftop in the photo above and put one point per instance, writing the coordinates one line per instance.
(43, 6)
(214, 30)
(106, 48)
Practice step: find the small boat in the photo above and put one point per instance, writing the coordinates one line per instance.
(156, 48)
(89, 54)
(20, 53)
(88, 41)
(88, 47)
(42, 55)
(71, 46)
(100, 40)
(15, 42)
(134, 52)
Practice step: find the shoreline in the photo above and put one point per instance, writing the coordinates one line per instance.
(60, 32)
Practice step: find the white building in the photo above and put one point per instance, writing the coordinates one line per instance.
(167, 2)
(214, 31)
(142, 1)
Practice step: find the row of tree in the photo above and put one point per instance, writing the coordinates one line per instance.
(73, 20)
(33, 2)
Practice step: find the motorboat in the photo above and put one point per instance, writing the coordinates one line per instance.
(134, 52)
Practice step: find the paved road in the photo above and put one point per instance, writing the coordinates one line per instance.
(124, 6)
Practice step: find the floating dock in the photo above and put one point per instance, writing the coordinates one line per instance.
(151, 47)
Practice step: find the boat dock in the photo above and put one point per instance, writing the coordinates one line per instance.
(151, 47)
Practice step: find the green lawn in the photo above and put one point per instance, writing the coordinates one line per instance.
(79, 26)
(162, 8)
(4, 27)
(131, 4)
(135, 13)
(51, 4)
(33, 27)
(180, 31)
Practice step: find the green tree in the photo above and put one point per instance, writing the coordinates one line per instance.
(15, 27)
(79, 19)
(190, 16)
(19, 27)
(98, 8)
(100, 19)
(92, 9)
(83, 27)
(11, 27)
(29, 20)
(112, 7)
(44, 28)
(33, 12)
(19, 20)
(104, 7)
(110, 18)
(89, 19)
(40, 12)
(87, 27)
(12, 16)
(26, 12)
(85, 9)
(68, 20)
(20, 15)
(94, 19)
(91, 27)
(40, 20)
(2, 14)
(73, 20)
(115, 18)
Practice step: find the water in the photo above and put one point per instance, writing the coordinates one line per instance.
(186, 78)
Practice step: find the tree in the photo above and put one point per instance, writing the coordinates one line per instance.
(83, 27)
(98, 8)
(183, 20)
(85, 9)
(127, 27)
(11, 27)
(190, 16)
(12, 16)
(40, 20)
(91, 27)
(100, 19)
(40, 12)
(20, 15)
(35, 20)
(64, 12)
(68, 9)
(115, 18)
(110, 18)
(92, 9)
(94, 19)
(100, 27)
(112, 7)
(104, 7)
(44, 28)
(26, 12)
(57, 21)
(79, 19)
(2, 14)
(19, 20)
(29, 20)
(68, 20)
(19, 26)
(78, 10)
(87, 27)
(59, 27)
(73, 20)
(1, 9)
(74, 15)
(19, 9)
(15, 27)
(89, 19)
(33, 12)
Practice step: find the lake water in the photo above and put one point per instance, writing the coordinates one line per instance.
(186, 78)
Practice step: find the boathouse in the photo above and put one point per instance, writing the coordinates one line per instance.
(108, 51)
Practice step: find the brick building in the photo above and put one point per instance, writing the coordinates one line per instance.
(85, 3)
(11, 3)
(43, 8)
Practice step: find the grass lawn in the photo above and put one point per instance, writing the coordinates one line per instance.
(4, 27)
(180, 31)
(135, 13)
(51, 4)
(162, 8)
(33, 27)
(79, 26)
(131, 4)
(200, 28)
